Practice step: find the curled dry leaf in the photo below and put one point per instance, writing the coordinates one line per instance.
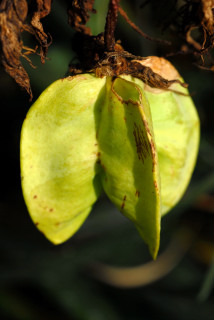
(79, 14)
(208, 16)
(193, 22)
(13, 14)
(12, 17)
(43, 9)
(198, 15)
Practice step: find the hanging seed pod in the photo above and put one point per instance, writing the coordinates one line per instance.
(86, 133)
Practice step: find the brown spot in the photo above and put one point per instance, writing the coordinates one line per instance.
(96, 144)
(155, 184)
(57, 224)
(123, 203)
(51, 210)
(98, 154)
(143, 146)
(124, 119)
(35, 197)
(122, 100)
(70, 78)
(137, 193)
(154, 164)
(36, 223)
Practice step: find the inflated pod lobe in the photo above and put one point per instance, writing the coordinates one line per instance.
(59, 152)
(176, 128)
(128, 158)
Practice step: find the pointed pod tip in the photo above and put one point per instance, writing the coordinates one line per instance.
(154, 252)
(55, 239)
(154, 247)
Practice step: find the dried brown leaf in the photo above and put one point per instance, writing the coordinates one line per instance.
(79, 13)
(43, 9)
(12, 16)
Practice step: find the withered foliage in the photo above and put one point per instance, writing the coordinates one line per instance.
(199, 15)
(79, 13)
(105, 57)
(138, 30)
(13, 16)
(121, 62)
(193, 22)
(36, 27)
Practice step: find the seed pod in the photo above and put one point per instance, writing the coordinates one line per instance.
(85, 133)
(59, 153)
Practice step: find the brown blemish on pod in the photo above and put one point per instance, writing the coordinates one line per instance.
(123, 203)
(121, 98)
(137, 193)
(142, 145)
(156, 185)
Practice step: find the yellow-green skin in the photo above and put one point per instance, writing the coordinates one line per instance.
(176, 127)
(177, 133)
(85, 133)
(59, 154)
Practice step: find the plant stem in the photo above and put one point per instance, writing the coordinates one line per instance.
(111, 21)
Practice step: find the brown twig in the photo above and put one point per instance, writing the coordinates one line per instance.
(138, 30)
(111, 21)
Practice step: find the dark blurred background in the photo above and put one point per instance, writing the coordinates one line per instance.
(41, 281)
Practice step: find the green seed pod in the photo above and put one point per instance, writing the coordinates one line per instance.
(85, 133)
